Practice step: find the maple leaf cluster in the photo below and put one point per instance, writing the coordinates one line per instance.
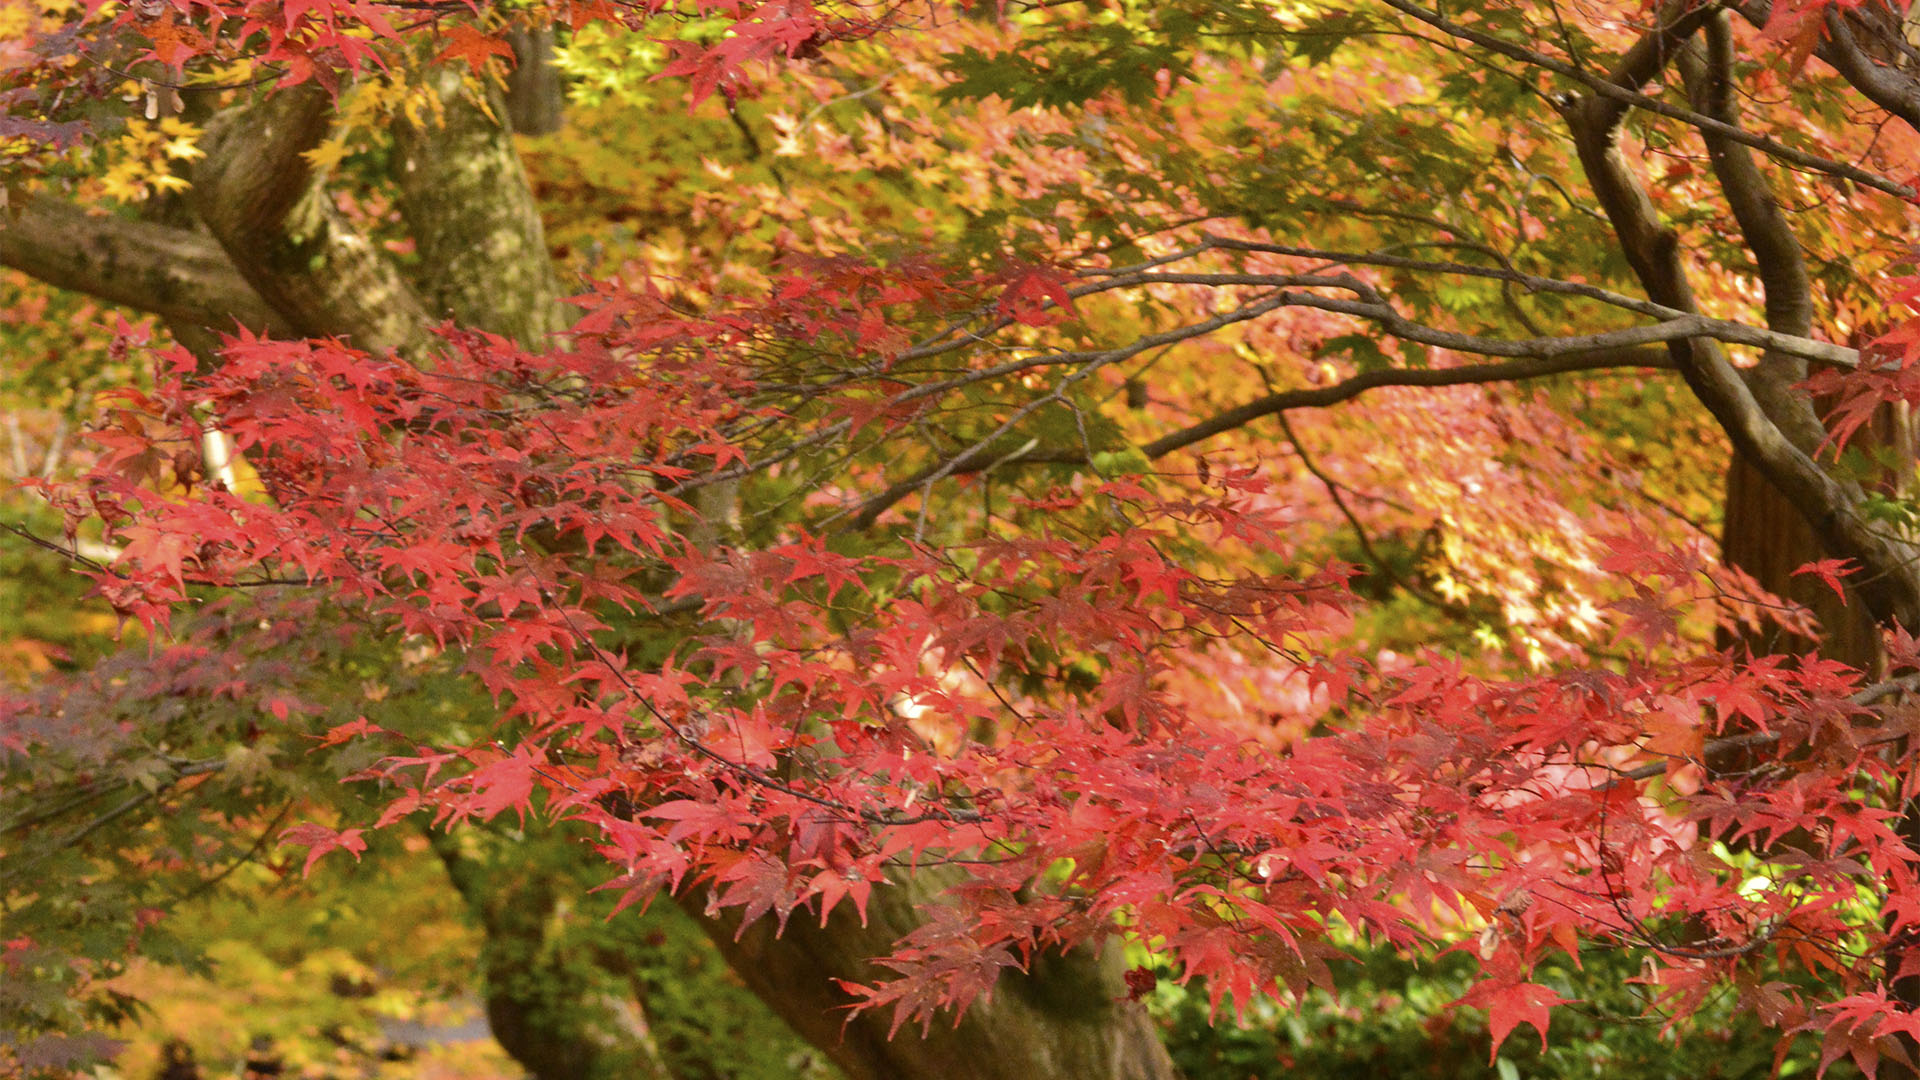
(1004, 704)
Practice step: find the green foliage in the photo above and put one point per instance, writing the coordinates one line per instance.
(1106, 56)
(707, 1025)
(1390, 1017)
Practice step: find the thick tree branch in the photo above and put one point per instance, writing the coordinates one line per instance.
(1868, 46)
(176, 274)
(1066, 1015)
(1776, 251)
(265, 205)
(1777, 255)
(1619, 93)
(1763, 534)
(1890, 586)
(1890, 88)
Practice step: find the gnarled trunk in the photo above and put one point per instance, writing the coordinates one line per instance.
(1068, 1018)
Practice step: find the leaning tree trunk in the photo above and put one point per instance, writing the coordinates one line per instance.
(464, 192)
(276, 253)
(542, 1002)
(1069, 1018)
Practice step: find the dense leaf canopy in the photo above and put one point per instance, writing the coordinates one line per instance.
(1240, 478)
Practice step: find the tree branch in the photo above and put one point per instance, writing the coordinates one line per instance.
(176, 274)
(1776, 251)
(1726, 330)
(1619, 93)
(1276, 404)
(1867, 698)
(1891, 89)
(1321, 397)
(1890, 587)
(263, 202)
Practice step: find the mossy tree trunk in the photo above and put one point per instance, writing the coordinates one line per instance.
(548, 1002)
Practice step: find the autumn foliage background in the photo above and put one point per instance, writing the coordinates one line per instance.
(1084, 539)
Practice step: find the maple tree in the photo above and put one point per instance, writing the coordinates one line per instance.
(1222, 477)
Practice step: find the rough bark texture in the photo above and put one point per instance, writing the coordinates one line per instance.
(276, 221)
(1068, 1019)
(1767, 538)
(465, 196)
(536, 97)
(176, 274)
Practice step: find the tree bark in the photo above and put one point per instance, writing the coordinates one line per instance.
(543, 1004)
(1068, 1018)
(536, 96)
(465, 197)
(1771, 426)
(180, 275)
(1763, 534)
(272, 214)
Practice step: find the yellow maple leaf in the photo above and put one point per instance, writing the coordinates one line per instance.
(326, 155)
(182, 149)
(119, 184)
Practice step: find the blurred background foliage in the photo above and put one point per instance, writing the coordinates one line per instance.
(1389, 1018)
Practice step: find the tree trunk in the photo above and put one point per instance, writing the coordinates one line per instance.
(1069, 1018)
(543, 1002)
(1768, 539)
(536, 97)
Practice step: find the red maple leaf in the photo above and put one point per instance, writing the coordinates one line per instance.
(466, 43)
(319, 840)
(1830, 571)
(1510, 1004)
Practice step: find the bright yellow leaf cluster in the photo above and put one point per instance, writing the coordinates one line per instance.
(19, 18)
(370, 105)
(143, 158)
